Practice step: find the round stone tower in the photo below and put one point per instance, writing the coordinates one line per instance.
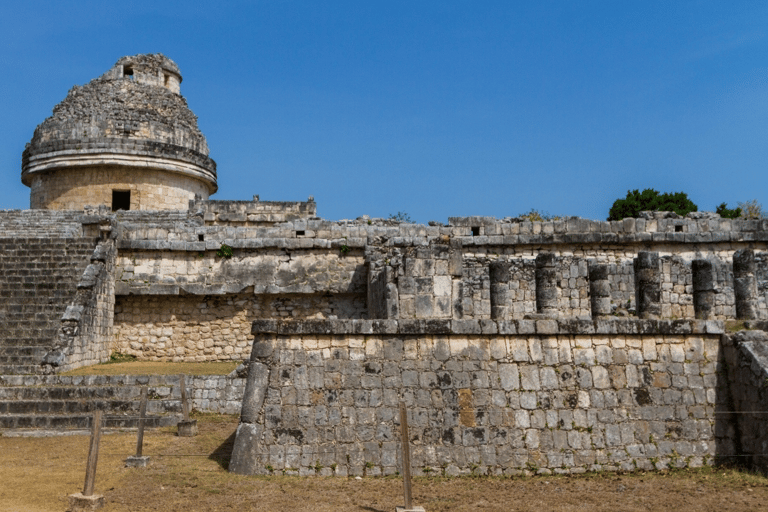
(126, 139)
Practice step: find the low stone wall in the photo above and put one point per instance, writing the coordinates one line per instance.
(219, 394)
(483, 397)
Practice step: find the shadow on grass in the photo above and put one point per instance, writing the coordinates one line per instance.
(223, 453)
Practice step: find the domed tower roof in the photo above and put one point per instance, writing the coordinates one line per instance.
(132, 118)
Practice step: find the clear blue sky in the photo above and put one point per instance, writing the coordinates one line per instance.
(434, 108)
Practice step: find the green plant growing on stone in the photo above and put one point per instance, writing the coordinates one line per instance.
(369, 465)
(400, 217)
(344, 248)
(333, 467)
(269, 468)
(535, 215)
(118, 357)
(317, 467)
(224, 251)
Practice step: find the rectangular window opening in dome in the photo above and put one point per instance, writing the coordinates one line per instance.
(121, 200)
(128, 72)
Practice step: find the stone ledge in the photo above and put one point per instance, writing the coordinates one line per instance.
(477, 327)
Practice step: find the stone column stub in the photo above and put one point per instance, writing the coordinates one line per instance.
(599, 289)
(647, 284)
(499, 276)
(703, 289)
(546, 284)
(745, 284)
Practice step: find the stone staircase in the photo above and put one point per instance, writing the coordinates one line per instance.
(38, 279)
(31, 404)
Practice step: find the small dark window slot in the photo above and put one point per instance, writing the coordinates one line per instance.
(128, 72)
(475, 230)
(678, 229)
(201, 238)
(300, 233)
(121, 200)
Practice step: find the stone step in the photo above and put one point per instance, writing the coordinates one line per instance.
(80, 421)
(65, 403)
(22, 350)
(57, 407)
(16, 360)
(42, 338)
(20, 369)
(75, 393)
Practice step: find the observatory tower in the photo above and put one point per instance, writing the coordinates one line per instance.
(126, 139)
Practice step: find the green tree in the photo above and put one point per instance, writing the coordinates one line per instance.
(651, 200)
(728, 213)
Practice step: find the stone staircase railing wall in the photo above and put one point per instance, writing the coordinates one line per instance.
(746, 353)
(85, 335)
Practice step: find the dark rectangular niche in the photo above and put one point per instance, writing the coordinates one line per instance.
(121, 200)
(475, 230)
(299, 233)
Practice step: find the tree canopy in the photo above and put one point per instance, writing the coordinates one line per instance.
(650, 199)
(728, 213)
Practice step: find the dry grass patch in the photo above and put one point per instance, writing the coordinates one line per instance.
(189, 474)
(156, 368)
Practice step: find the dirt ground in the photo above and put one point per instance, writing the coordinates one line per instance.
(189, 474)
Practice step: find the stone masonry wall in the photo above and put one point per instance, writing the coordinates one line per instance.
(212, 328)
(483, 397)
(256, 213)
(271, 271)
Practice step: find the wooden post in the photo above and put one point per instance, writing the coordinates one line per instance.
(138, 460)
(187, 427)
(406, 456)
(142, 415)
(93, 454)
(184, 404)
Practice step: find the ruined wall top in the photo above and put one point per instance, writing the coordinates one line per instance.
(133, 109)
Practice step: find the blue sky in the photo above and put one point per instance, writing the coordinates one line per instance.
(434, 108)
